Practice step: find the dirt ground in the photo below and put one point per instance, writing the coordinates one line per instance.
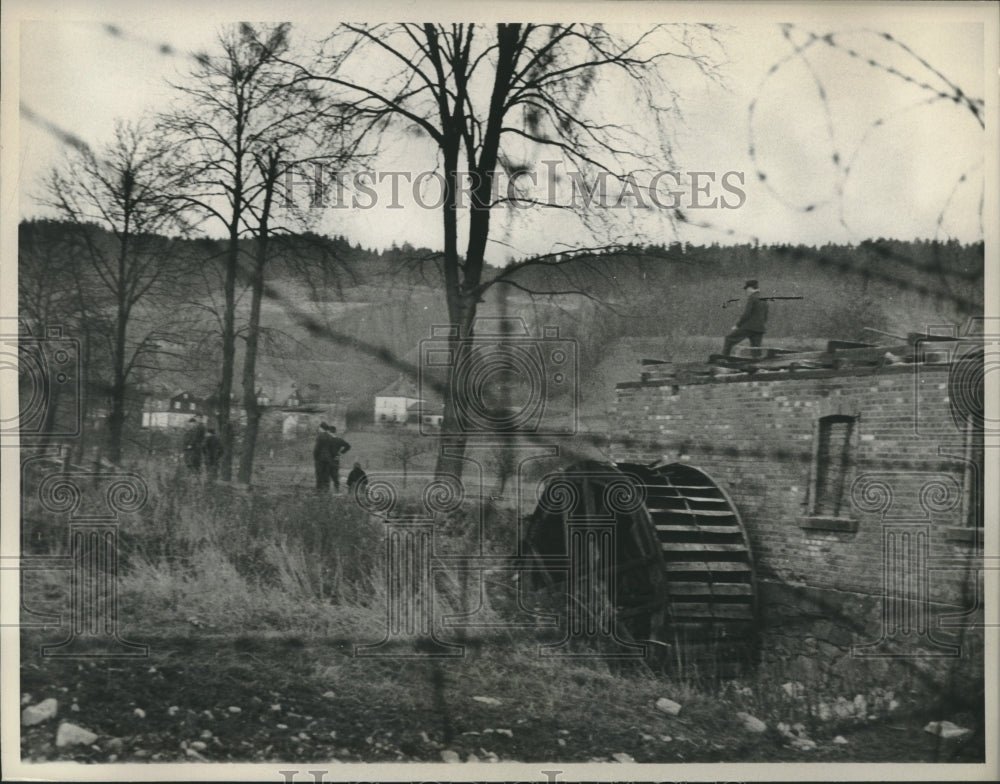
(273, 699)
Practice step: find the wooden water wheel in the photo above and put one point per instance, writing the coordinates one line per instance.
(683, 572)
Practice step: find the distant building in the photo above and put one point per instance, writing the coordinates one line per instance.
(160, 412)
(833, 458)
(424, 414)
(392, 404)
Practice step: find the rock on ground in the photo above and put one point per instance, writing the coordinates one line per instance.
(43, 711)
(450, 756)
(946, 729)
(751, 723)
(793, 689)
(71, 735)
(668, 706)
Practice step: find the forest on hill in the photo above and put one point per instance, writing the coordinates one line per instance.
(379, 304)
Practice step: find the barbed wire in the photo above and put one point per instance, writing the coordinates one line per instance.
(844, 165)
(800, 253)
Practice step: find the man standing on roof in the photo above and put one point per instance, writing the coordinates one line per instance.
(326, 457)
(751, 324)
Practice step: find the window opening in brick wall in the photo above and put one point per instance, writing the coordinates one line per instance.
(975, 459)
(833, 457)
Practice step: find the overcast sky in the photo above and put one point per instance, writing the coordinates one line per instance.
(916, 167)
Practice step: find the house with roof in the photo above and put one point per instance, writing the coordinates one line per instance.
(392, 404)
(425, 414)
(163, 412)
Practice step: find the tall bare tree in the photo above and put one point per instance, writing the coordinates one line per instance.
(245, 125)
(120, 203)
(491, 100)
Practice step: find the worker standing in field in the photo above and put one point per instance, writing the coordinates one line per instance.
(212, 449)
(326, 457)
(194, 438)
(752, 323)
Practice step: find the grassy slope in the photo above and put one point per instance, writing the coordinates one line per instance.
(257, 602)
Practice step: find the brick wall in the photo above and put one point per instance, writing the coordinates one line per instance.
(757, 438)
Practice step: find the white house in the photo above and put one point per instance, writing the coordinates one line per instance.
(163, 413)
(425, 414)
(392, 403)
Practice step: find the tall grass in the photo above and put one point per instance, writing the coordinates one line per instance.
(201, 558)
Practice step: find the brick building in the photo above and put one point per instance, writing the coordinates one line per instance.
(836, 461)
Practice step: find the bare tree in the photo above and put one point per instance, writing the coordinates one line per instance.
(491, 100)
(227, 106)
(405, 447)
(306, 134)
(245, 126)
(120, 204)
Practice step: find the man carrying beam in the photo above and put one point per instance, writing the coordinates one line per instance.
(751, 324)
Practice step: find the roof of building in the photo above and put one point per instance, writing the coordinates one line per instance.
(401, 387)
(838, 356)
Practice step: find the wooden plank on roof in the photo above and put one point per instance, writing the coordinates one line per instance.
(849, 356)
(840, 345)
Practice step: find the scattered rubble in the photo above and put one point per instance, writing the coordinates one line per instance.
(668, 706)
(488, 700)
(946, 729)
(450, 756)
(794, 689)
(621, 756)
(796, 736)
(71, 735)
(43, 711)
(751, 723)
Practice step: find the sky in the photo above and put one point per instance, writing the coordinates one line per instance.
(915, 168)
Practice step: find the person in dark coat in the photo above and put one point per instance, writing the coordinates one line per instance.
(751, 324)
(358, 478)
(326, 457)
(212, 450)
(194, 438)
